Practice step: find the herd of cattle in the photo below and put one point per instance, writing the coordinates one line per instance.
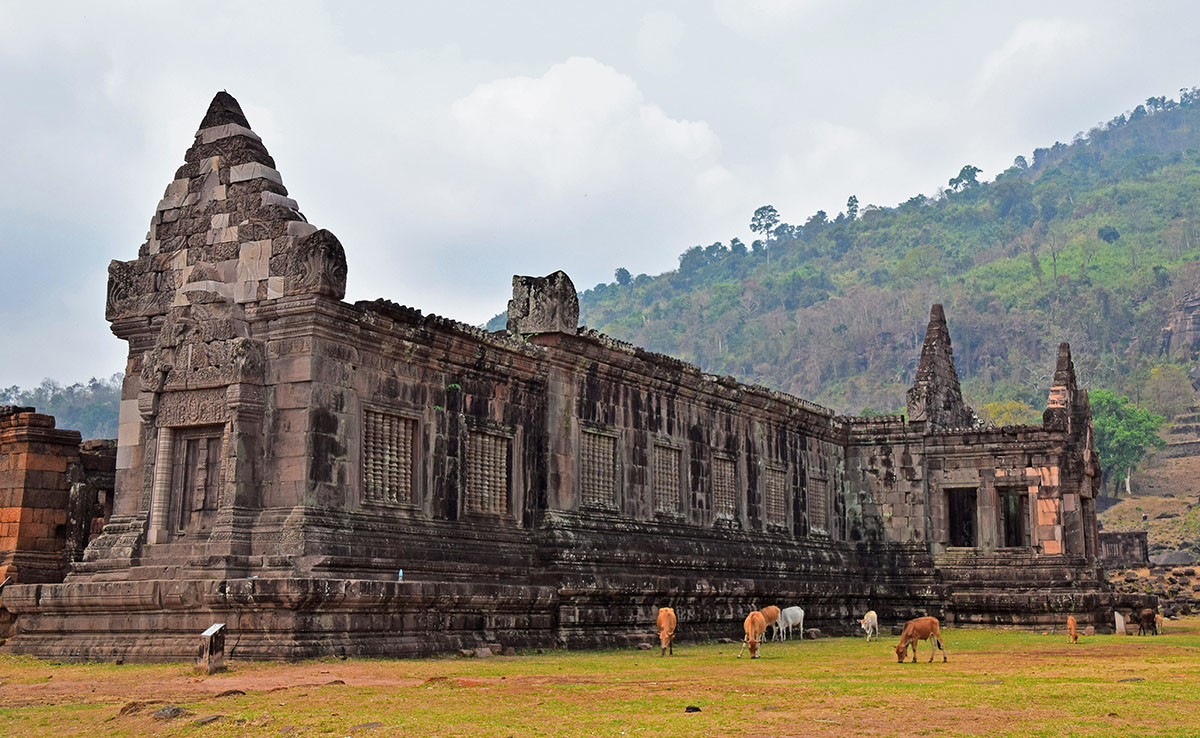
(915, 630)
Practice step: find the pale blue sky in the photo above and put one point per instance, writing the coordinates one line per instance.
(451, 145)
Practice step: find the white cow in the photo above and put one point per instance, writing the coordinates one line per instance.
(870, 623)
(788, 617)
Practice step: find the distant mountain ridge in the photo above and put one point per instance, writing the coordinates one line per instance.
(1091, 243)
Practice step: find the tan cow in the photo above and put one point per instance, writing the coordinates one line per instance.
(666, 630)
(1158, 624)
(919, 629)
(755, 626)
(1072, 633)
(770, 615)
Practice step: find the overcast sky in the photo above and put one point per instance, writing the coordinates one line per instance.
(451, 145)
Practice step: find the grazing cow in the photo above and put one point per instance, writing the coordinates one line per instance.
(666, 630)
(770, 615)
(870, 623)
(1072, 634)
(1158, 624)
(790, 617)
(1146, 621)
(755, 626)
(920, 629)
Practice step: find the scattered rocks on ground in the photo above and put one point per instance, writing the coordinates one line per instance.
(644, 646)
(510, 651)
(231, 693)
(1174, 558)
(467, 653)
(483, 653)
(209, 719)
(691, 708)
(495, 648)
(812, 634)
(1089, 631)
(365, 726)
(170, 712)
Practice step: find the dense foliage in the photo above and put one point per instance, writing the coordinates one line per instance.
(90, 408)
(1124, 434)
(1090, 242)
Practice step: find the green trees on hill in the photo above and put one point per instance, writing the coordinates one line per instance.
(1124, 434)
(1090, 242)
(89, 407)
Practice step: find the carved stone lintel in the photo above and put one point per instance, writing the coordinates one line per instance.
(194, 407)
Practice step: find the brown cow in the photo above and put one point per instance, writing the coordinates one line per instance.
(1072, 634)
(666, 630)
(919, 629)
(1146, 621)
(770, 615)
(1158, 624)
(755, 626)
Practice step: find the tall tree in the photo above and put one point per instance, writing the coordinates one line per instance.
(967, 177)
(763, 222)
(1124, 433)
(852, 207)
(622, 276)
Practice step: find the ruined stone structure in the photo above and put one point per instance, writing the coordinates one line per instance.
(283, 455)
(53, 492)
(1125, 549)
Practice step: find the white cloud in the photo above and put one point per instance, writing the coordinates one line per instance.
(658, 39)
(754, 18)
(1029, 53)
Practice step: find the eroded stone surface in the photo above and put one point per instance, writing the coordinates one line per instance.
(283, 456)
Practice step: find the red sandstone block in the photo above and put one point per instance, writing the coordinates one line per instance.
(46, 462)
(8, 543)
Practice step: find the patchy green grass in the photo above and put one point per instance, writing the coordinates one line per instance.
(997, 683)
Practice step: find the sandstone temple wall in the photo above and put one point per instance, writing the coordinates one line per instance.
(334, 478)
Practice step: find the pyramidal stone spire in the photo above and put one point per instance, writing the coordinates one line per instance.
(936, 396)
(225, 232)
(1064, 397)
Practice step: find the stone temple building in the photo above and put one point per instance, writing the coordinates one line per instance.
(334, 478)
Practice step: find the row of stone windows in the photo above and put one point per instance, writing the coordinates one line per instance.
(388, 465)
(388, 473)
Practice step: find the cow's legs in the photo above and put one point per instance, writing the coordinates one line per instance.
(743, 648)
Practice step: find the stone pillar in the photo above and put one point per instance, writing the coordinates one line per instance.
(987, 521)
(160, 500)
(36, 463)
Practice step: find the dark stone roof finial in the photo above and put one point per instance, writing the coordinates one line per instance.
(936, 396)
(222, 110)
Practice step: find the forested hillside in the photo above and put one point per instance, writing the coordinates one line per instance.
(1090, 242)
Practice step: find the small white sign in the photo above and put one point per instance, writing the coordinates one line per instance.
(212, 629)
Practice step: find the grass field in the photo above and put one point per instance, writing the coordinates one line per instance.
(997, 683)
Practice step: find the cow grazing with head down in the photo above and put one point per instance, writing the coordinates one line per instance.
(920, 629)
(770, 615)
(755, 625)
(1158, 624)
(870, 623)
(1072, 633)
(666, 630)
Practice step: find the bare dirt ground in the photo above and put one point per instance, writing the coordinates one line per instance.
(996, 683)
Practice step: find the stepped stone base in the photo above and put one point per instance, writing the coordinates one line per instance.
(299, 618)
